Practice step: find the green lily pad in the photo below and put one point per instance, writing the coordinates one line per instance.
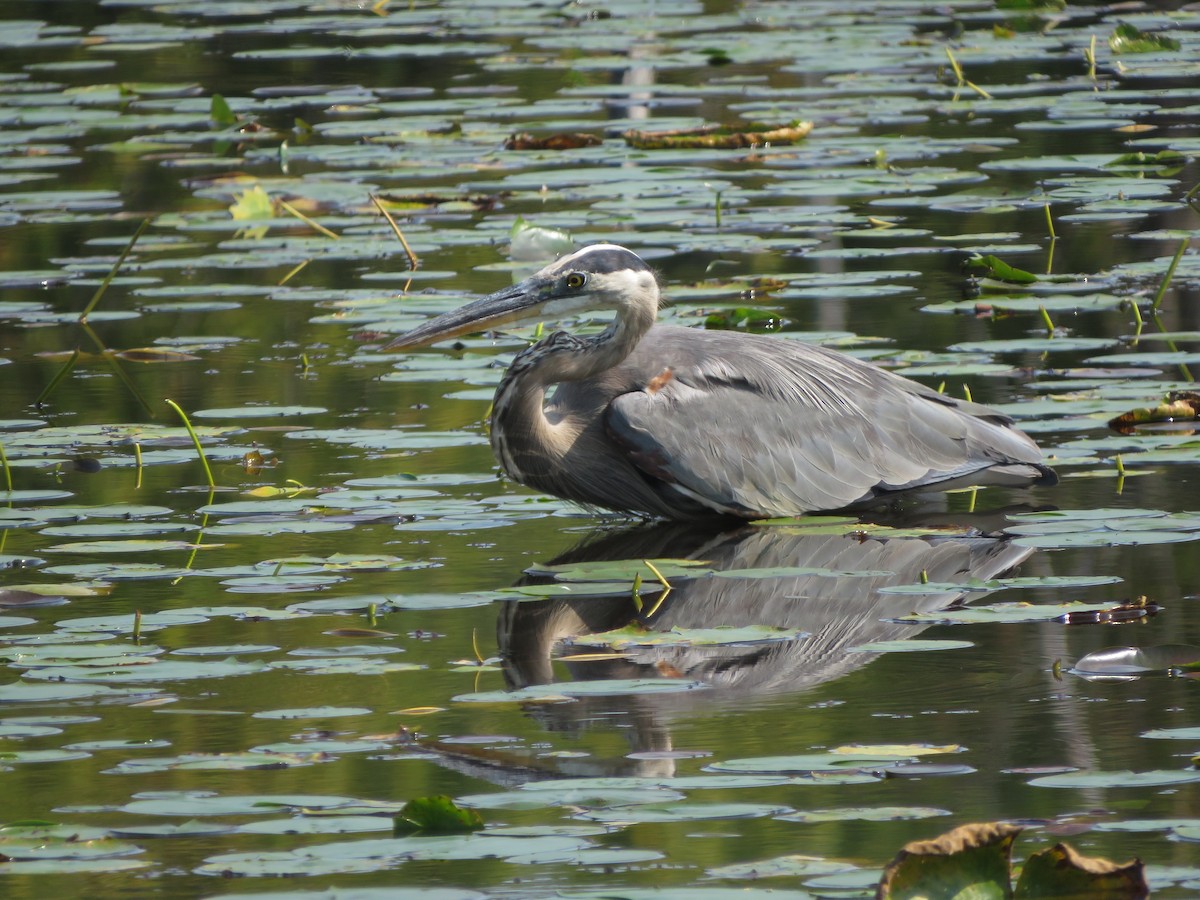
(1122, 779)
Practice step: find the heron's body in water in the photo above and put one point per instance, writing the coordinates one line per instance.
(683, 423)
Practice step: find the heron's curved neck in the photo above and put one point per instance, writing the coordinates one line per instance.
(522, 435)
(566, 357)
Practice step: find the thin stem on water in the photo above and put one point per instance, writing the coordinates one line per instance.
(962, 79)
(1172, 346)
(112, 273)
(115, 364)
(413, 262)
(7, 470)
(475, 647)
(196, 441)
(1162, 288)
(311, 223)
(666, 587)
(1138, 322)
(1047, 320)
(293, 272)
(1190, 197)
(57, 379)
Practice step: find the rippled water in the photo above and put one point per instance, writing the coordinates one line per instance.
(334, 630)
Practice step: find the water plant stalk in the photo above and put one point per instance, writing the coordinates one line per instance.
(195, 441)
(112, 273)
(311, 223)
(475, 647)
(57, 379)
(1049, 323)
(661, 580)
(1190, 197)
(1162, 288)
(293, 272)
(7, 470)
(413, 262)
(114, 363)
(962, 80)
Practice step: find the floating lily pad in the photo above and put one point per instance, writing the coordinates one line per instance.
(868, 814)
(683, 812)
(1124, 779)
(325, 712)
(258, 412)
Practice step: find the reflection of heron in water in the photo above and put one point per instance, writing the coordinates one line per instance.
(839, 610)
(683, 423)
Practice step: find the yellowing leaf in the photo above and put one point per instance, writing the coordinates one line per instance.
(253, 203)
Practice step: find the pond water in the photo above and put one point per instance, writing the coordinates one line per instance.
(209, 689)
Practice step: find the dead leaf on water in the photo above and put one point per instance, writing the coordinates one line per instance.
(720, 137)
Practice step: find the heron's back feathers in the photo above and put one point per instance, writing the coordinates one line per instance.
(757, 427)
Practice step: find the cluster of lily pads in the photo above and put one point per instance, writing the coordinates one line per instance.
(1013, 175)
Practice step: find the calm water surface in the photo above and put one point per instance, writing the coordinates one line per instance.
(325, 636)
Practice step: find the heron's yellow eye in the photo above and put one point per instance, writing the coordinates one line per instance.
(576, 280)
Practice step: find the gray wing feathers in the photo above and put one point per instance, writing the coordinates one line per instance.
(787, 427)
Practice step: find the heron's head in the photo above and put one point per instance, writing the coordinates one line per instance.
(602, 276)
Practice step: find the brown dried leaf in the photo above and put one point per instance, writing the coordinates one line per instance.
(723, 137)
(1180, 406)
(1061, 871)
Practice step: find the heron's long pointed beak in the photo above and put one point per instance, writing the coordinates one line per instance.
(508, 305)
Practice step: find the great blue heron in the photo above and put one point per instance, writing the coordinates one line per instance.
(683, 423)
